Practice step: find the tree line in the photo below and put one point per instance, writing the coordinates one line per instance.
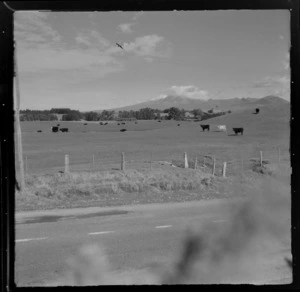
(172, 113)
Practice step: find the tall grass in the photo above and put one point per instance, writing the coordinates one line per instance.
(110, 187)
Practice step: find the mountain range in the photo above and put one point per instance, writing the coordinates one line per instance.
(217, 104)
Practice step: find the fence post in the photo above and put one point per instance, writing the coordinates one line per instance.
(186, 164)
(196, 163)
(67, 163)
(26, 166)
(261, 158)
(214, 165)
(242, 164)
(224, 169)
(123, 161)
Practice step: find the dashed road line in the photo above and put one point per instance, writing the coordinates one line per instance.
(163, 226)
(30, 239)
(101, 232)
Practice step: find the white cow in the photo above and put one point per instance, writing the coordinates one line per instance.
(222, 128)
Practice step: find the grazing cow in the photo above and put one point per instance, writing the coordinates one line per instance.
(118, 124)
(178, 125)
(64, 129)
(123, 130)
(123, 123)
(105, 123)
(39, 131)
(257, 110)
(85, 124)
(101, 123)
(54, 129)
(205, 127)
(159, 121)
(238, 130)
(222, 128)
(58, 125)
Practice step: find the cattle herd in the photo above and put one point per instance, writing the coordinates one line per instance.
(220, 128)
(223, 128)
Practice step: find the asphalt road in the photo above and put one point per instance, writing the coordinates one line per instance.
(135, 238)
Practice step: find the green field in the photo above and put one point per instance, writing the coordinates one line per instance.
(153, 141)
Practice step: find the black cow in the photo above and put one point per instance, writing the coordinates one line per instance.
(238, 130)
(205, 127)
(118, 124)
(39, 131)
(257, 110)
(123, 130)
(64, 129)
(106, 124)
(54, 129)
(123, 123)
(178, 125)
(58, 125)
(101, 123)
(85, 124)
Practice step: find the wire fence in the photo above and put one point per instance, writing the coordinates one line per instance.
(216, 165)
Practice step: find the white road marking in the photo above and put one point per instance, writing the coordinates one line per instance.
(29, 239)
(163, 226)
(101, 232)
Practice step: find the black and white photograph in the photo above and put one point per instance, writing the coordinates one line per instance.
(152, 147)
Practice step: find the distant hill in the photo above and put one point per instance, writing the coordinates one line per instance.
(219, 104)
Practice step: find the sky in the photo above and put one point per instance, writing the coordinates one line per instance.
(70, 59)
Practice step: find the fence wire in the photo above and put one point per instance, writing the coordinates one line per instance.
(206, 163)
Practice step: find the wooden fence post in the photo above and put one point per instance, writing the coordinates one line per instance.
(67, 162)
(224, 169)
(26, 166)
(196, 163)
(186, 164)
(261, 158)
(123, 161)
(214, 165)
(242, 164)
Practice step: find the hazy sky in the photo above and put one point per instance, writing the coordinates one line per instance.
(70, 59)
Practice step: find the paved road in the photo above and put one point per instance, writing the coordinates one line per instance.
(135, 237)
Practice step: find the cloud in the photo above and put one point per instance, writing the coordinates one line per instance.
(149, 46)
(286, 62)
(189, 91)
(42, 49)
(92, 39)
(138, 15)
(126, 27)
(161, 96)
(32, 27)
(276, 85)
(272, 81)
